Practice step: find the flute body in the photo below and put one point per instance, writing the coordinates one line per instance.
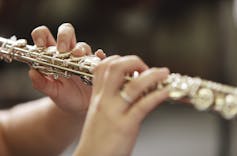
(202, 94)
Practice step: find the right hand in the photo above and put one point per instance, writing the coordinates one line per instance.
(113, 121)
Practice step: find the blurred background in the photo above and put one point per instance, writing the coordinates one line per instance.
(193, 37)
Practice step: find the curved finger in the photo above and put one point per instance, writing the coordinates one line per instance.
(66, 38)
(81, 49)
(100, 53)
(142, 108)
(100, 72)
(149, 78)
(121, 67)
(42, 37)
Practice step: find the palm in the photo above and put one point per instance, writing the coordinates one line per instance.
(70, 94)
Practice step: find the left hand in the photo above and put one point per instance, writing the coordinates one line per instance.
(71, 95)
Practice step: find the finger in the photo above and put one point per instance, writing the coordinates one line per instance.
(40, 82)
(142, 108)
(100, 53)
(99, 73)
(66, 38)
(81, 49)
(136, 87)
(42, 37)
(121, 67)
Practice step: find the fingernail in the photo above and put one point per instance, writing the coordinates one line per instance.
(81, 48)
(40, 42)
(62, 47)
(100, 53)
(77, 53)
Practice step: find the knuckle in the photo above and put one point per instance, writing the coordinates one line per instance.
(112, 58)
(114, 66)
(135, 57)
(106, 63)
(134, 86)
(85, 46)
(153, 72)
(136, 60)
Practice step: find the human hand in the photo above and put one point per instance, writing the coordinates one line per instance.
(71, 95)
(114, 116)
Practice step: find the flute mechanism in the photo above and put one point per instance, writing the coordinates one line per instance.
(203, 94)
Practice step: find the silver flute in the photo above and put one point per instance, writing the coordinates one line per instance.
(202, 94)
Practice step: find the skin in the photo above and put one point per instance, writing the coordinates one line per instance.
(112, 123)
(47, 126)
(72, 94)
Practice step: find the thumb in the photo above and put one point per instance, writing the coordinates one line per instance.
(40, 82)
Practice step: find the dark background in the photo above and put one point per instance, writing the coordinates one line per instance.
(193, 37)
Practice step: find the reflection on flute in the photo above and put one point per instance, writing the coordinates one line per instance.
(201, 93)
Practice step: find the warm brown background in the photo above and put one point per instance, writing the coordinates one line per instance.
(193, 37)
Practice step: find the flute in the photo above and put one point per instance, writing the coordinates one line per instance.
(202, 94)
